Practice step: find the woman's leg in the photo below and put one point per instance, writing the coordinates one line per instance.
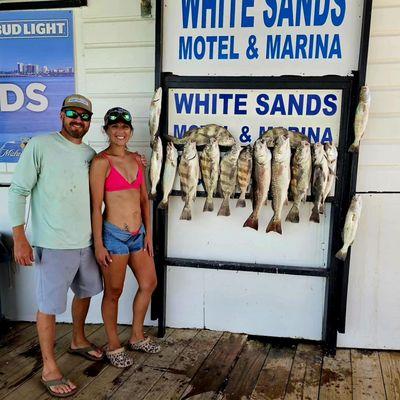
(114, 277)
(144, 270)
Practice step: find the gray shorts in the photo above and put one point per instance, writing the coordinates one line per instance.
(59, 270)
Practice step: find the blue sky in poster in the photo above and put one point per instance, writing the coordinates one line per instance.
(31, 96)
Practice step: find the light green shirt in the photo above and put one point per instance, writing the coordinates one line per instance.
(55, 172)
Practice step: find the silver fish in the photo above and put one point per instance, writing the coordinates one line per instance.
(155, 112)
(350, 226)
(361, 118)
(189, 173)
(320, 180)
(245, 168)
(262, 176)
(331, 155)
(228, 177)
(145, 8)
(209, 163)
(170, 166)
(155, 166)
(280, 181)
(203, 135)
(272, 134)
(301, 179)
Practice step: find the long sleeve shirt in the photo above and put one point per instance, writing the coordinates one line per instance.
(55, 173)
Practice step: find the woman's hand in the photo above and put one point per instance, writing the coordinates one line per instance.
(103, 256)
(148, 245)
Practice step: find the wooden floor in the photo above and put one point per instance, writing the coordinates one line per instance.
(201, 364)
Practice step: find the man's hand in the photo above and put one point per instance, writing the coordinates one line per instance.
(103, 256)
(23, 253)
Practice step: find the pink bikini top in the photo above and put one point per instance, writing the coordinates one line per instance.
(116, 182)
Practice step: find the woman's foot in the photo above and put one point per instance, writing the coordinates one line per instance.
(118, 358)
(145, 345)
(90, 349)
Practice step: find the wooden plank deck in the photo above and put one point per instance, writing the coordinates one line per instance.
(202, 364)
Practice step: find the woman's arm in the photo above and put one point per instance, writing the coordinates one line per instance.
(97, 176)
(145, 212)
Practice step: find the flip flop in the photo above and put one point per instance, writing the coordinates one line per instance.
(58, 382)
(84, 352)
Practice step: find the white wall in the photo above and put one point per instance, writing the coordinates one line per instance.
(373, 319)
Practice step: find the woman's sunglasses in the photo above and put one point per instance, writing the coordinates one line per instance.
(74, 115)
(113, 116)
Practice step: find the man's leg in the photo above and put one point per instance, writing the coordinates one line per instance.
(46, 326)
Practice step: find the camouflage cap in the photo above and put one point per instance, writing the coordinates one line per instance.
(77, 100)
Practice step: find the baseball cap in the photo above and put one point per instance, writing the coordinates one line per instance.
(77, 100)
(117, 114)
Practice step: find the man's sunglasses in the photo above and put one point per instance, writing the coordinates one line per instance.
(74, 115)
(113, 116)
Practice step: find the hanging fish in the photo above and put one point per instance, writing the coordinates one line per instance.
(272, 134)
(189, 173)
(228, 177)
(155, 166)
(280, 181)
(320, 180)
(361, 118)
(262, 176)
(155, 112)
(350, 226)
(170, 166)
(301, 179)
(331, 155)
(245, 168)
(209, 163)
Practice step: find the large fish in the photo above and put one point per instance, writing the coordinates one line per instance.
(203, 135)
(262, 176)
(361, 118)
(245, 168)
(272, 134)
(331, 155)
(189, 173)
(155, 112)
(350, 226)
(280, 181)
(320, 180)
(228, 177)
(301, 179)
(155, 166)
(209, 163)
(170, 166)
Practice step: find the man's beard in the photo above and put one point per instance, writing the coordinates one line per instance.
(77, 134)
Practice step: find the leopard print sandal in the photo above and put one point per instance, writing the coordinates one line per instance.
(119, 358)
(146, 345)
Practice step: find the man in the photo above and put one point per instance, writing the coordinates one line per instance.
(53, 170)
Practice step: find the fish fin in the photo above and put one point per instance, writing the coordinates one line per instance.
(163, 204)
(224, 209)
(314, 217)
(353, 148)
(251, 222)
(186, 214)
(241, 203)
(208, 205)
(341, 254)
(293, 215)
(274, 226)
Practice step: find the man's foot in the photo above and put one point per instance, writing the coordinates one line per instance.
(87, 350)
(57, 385)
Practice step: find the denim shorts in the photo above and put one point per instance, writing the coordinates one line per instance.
(118, 241)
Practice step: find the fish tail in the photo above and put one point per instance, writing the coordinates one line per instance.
(321, 208)
(209, 204)
(274, 226)
(152, 195)
(341, 254)
(293, 215)
(186, 214)
(354, 148)
(251, 222)
(241, 203)
(163, 204)
(224, 209)
(314, 217)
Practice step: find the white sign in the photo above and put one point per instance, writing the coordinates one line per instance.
(249, 113)
(261, 37)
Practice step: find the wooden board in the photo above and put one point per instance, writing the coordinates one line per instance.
(177, 377)
(335, 381)
(390, 363)
(245, 373)
(18, 339)
(274, 376)
(146, 376)
(367, 375)
(208, 380)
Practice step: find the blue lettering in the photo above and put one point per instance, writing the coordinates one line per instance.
(327, 136)
(225, 99)
(330, 105)
(313, 104)
(336, 49)
(278, 106)
(296, 104)
(321, 46)
(320, 18)
(301, 42)
(287, 48)
(233, 13)
(199, 47)
(270, 17)
(211, 40)
(247, 22)
(262, 101)
(221, 14)
(185, 50)
(240, 101)
(222, 47)
(179, 132)
(286, 13)
(190, 8)
(232, 54)
(183, 102)
(202, 103)
(338, 19)
(273, 49)
(209, 5)
(313, 136)
(304, 5)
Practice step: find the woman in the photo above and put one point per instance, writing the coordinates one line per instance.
(122, 234)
